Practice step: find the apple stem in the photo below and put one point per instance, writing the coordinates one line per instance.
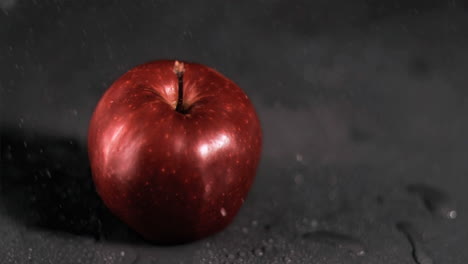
(179, 70)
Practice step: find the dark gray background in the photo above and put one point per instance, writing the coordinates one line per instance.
(357, 99)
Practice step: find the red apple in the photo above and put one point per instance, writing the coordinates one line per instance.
(174, 148)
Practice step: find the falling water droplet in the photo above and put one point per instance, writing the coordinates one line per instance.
(419, 254)
(298, 179)
(347, 242)
(452, 214)
(313, 223)
(299, 157)
(436, 201)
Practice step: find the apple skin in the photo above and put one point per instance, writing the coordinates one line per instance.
(170, 176)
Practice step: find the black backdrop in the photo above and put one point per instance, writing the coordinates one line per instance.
(363, 106)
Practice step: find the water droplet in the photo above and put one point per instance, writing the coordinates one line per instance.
(452, 214)
(287, 259)
(245, 230)
(258, 252)
(347, 242)
(419, 254)
(361, 253)
(298, 179)
(223, 212)
(254, 223)
(299, 157)
(314, 223)
(436, 201)
(122, 253)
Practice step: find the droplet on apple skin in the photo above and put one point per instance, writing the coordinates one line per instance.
(223, 212)
(173, 176)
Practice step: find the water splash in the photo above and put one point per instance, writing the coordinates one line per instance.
(436, 201)
(343, 241)
(419, 254)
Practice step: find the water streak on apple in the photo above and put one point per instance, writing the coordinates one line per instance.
(174, 148)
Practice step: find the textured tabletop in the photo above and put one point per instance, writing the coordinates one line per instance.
(363, 105)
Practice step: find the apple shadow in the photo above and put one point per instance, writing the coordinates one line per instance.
(46, 183)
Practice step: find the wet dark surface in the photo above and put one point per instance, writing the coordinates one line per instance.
(363, 106)
(420, 255)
